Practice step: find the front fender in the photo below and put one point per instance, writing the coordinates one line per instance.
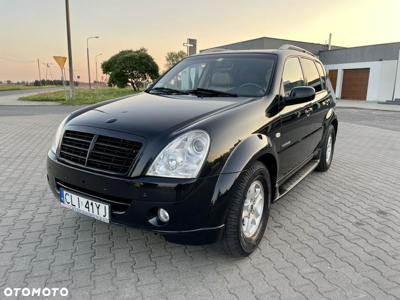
(245, 152)
(243, 155)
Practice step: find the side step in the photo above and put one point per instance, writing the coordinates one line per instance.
(296, 178)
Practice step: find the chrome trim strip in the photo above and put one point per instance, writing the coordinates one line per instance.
(297, 181)
(189, 231)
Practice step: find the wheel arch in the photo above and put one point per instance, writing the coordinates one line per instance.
(271, 163)
(334, 123)
(257, 147)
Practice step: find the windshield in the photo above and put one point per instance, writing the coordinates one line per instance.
(219, 75)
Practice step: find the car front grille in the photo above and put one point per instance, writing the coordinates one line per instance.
(103, 153)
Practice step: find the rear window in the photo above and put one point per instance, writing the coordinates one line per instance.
(311, 74)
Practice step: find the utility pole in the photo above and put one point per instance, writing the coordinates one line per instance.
(47, 66)
(40, 76)
(88, 60)
(95, 58)
(71, 71)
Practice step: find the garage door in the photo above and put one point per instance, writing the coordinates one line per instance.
(355, 84)
(333, 77)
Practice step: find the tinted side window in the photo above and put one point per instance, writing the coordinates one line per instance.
(311, 74)
(292, 75)
(322, 74)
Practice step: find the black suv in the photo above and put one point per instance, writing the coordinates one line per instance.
(204, 151)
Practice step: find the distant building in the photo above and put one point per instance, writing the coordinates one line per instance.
(369, 73)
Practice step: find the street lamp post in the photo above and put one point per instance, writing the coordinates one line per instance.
(71, 72)
(87, 52)
(47, 65)
(95, 58)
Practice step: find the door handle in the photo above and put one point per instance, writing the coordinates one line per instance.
(326, 102)
(308, 111)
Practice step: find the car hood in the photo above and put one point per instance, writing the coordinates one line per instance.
(147, 115)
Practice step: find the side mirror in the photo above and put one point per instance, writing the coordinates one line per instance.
(300, 94)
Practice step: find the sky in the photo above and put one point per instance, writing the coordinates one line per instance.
(36, 29)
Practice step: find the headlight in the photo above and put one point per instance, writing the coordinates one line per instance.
(57, 138)
(183, 157)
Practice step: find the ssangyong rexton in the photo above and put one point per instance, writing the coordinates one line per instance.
(204, 151)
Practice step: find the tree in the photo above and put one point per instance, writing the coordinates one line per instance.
(173, 58)
(130, 67)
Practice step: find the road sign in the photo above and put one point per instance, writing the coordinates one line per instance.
(191, 46)
(60, 60)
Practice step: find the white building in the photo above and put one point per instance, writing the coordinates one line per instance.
(369, 73)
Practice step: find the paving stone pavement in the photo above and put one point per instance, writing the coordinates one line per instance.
(335, 236)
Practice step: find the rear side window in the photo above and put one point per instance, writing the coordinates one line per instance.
(292, 75)
(311, 74)
(322, 74)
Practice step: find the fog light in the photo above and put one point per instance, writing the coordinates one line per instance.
(163, 215)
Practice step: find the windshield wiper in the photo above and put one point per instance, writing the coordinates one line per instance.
(168, 91)
(210, 93)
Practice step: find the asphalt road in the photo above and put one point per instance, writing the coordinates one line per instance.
(12, 110)
(22, 92)
(11, 97)
(334, 236)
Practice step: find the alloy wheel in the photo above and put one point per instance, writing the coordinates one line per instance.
(253, 209)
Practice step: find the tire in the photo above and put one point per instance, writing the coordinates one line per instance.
(325, 157)
(238, 241)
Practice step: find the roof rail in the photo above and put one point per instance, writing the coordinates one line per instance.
(291, 47)
(214, 50)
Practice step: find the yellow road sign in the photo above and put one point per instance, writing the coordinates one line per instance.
(60, 60)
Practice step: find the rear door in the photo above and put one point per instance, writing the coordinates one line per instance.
(318, 108)
(291, 149)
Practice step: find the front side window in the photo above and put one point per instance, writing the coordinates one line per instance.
(292, 75)
(311, 74)
(247, 75)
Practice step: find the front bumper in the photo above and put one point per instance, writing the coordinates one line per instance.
(135, 201)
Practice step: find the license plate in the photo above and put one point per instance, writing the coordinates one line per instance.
(88, 207)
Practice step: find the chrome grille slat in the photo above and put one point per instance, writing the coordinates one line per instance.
(72, 154)
(77, 139)
(102, 153)
(113, 146)
(106, 163)
(75, 147)
(103, 149)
